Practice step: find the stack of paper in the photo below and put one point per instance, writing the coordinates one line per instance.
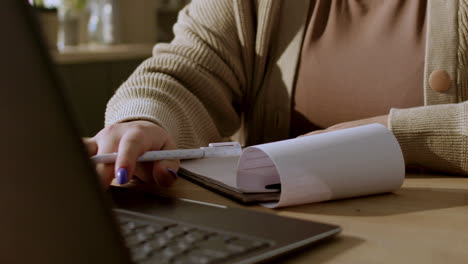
(346, 163)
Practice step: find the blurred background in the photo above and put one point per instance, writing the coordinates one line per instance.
(97, 44)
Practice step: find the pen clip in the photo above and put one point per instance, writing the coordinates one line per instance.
(225, 144)
(222, 149)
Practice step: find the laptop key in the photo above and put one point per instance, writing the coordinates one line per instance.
(135, 239)
(175, 231)
(155, 260)
(191, 259)
(158, 243)
(133, 225)
(146, 248)
(172, 251)
(140, 253)
(123, 220)
(228, 238)
(182, 244)
(195, 235)
(166, 242)
(150, 230)
(186, 260)
(126, 231)
(159, 257)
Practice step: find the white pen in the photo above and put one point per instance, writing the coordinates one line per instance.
(224, 149)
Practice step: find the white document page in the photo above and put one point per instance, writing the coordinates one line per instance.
(346, 163)
(222, 171)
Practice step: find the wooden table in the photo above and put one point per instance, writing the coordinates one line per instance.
(426, 221)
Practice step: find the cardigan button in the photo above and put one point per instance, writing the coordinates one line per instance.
(439, 81)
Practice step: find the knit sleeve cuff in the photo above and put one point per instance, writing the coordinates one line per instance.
(138, 109)
(433, 137)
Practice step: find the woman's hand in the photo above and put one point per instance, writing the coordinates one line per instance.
(383, 119)
(130, 140)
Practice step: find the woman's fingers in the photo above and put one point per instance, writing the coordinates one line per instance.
(107, 143)
(91, 146)
(106, 173)
(165, 171)
(130, 140)
(131, 146)
(103, 170)
(144, 172)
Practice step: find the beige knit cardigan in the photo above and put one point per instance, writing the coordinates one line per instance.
(232, 66)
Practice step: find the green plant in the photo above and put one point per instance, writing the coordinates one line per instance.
(77, 5)
(41, 5)
(38, 3)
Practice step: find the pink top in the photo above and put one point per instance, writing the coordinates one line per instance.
(359, 59)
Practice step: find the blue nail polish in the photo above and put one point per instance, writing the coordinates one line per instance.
(122, 176)
(173, 173)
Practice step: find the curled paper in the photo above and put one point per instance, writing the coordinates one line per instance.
(341, 164)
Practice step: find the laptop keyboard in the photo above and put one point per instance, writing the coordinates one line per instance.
(161, 241)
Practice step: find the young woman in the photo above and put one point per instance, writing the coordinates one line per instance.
(279, 69)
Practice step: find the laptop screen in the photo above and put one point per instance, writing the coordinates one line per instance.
(53, 210)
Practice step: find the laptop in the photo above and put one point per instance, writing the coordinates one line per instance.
(53, 209)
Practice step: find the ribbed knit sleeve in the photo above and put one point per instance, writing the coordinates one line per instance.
(434, 137)
(191, 86)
